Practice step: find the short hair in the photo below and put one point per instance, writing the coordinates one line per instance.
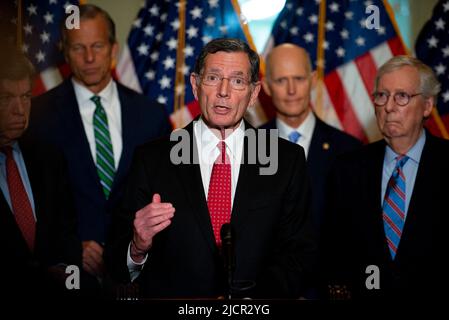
(91, 11)
(14, 65)
(429, 85)
(229, 45)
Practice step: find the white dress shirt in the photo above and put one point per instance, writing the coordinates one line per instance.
(111, 104)
(208, 151)
(305, 129)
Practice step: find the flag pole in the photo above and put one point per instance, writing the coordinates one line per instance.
(435, 113)
(179, 88)
(320, 60)
(19, 25)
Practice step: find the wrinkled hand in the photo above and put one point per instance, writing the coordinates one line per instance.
(148, 222)
(93, 258)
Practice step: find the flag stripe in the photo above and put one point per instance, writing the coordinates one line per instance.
(342, 106)
(361, 103)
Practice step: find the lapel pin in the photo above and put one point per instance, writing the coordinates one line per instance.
(326, 146)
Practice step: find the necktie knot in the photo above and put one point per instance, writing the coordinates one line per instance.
(7, 150)
(96, 100)
(400, 162)
(294, 136)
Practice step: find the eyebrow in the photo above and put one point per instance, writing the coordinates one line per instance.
(217, 70)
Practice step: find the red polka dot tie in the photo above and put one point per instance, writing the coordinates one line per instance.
(21, 205)
(219, 195)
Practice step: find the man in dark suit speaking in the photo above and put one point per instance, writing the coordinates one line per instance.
(289, 80)
(387, 217)
(167, 233)
(97, 122)
(38, 225)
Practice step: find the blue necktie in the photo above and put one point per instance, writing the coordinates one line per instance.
(294, 136)
(394, 206)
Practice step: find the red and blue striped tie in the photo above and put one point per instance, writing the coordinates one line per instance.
(394, 206)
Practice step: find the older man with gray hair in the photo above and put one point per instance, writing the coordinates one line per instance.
(387, 208)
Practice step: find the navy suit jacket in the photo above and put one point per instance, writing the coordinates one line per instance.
(327, 142)
(55, 118)
(274, 245)
(354, 232)
(25, 272)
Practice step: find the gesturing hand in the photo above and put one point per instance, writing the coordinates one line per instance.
(149, 221)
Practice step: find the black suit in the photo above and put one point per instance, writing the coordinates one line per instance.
(355, 235)
(56, 239)
(274, 245)
(327, 142)
(55, 118)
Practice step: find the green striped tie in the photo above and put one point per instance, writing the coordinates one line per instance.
(104, 153)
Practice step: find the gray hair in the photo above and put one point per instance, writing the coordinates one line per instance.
(429, 85)
(90, 11)
(14, 65)
(229, 45)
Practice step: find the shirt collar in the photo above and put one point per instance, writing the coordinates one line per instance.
(209, 140)
(305, 128)
(414, 153)
(84, 95)
(15, 148)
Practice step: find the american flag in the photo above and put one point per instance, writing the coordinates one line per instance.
(432, 47)
(351, 54)
(163, 44)
(41, 38)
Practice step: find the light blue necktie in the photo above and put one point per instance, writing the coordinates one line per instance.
(104, 153)
(294, 136)
(394, 206)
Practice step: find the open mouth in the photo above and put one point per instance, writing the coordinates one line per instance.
(220, 109)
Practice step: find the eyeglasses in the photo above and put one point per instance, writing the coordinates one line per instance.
(213, 79)
(400, 98)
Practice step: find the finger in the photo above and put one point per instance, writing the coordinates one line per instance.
(158, 228)
(93, 246)
(156, 198)
(154, 221)
(150, 212)
(94, 256)
(91, 267)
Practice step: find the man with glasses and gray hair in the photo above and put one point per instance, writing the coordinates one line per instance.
(170, 238)
(388, 201)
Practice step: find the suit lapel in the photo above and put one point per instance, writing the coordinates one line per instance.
(72, 124)
(373, 183)
(190, 177)
(129, 118)
(419, 197)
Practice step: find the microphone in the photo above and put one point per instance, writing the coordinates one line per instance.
(227, 249)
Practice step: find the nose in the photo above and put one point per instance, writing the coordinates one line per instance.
(89, 55)
(18, 106)
(291, 88)
(223, 88)
(390, 105)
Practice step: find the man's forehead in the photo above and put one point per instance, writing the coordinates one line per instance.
(229, 62)
(9, 85)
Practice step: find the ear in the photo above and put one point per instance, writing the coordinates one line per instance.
(254, 94)
(194, 85)
(314, 79)
(428, 106)
(114, 51)
(266, 86)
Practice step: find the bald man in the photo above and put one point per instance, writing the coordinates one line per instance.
(289, 81)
